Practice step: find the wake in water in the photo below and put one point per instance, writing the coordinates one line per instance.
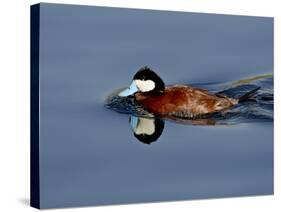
(259, 108)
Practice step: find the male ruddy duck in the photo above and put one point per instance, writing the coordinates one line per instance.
(178, 100)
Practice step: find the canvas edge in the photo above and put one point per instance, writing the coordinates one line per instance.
(34, 106)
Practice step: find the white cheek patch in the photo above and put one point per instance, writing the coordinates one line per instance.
(145, 126)
(145, 85)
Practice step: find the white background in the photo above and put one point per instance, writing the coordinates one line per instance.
(14, 103)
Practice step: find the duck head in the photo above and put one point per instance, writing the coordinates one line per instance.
(144, 81)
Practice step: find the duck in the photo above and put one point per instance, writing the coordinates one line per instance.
(184, 101)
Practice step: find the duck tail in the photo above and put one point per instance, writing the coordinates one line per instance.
(248, 95)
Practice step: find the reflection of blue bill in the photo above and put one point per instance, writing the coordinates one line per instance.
(129, 91)
(134, 122)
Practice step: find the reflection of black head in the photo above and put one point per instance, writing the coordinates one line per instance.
(149, 138)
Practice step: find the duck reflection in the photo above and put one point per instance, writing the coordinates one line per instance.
(148, 130)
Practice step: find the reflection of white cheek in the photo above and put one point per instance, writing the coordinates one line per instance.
(145, 126)
(144, 86)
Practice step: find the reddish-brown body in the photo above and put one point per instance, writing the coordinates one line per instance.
(184, 101)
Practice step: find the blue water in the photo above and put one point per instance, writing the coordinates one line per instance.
(88, 153)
